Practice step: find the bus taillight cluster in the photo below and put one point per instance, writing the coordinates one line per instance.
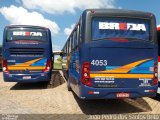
(86, 74)
(5, 67)
(48, 66)
(155, 80)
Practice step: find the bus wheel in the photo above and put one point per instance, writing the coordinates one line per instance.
(68, 85)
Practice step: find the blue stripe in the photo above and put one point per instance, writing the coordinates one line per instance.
(41, 62)
(143, 68)
(111, 67)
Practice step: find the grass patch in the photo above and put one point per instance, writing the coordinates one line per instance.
(57, 66)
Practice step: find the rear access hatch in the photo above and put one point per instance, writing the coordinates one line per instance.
(121, 67)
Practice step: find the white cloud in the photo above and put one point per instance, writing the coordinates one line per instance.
(61, 6)
(68, 30)
(20, 16)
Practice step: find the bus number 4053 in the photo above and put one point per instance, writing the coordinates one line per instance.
(99, 62)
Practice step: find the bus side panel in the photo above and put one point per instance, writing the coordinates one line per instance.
(74, 72)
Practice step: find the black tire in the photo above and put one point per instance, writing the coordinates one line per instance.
(68, 85)
(66, 75)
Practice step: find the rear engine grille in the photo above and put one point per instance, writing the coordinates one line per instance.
(26, 51)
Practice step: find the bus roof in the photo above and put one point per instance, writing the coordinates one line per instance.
(26, 26)
(119, 11)
(113, 12)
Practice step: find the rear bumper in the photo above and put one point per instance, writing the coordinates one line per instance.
(110, 93)
(34, 77)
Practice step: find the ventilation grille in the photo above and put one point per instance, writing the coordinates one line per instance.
(26, 51)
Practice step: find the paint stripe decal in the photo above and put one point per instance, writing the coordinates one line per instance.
(26, 65)
(125, 68)
(123, 75)
(29, 68)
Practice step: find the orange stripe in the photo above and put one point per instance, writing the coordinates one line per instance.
(25, 64)
(122, 75)
(125, 68)
(29, 68)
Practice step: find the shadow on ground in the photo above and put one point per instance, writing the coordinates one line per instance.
(157, 97)
(114, 106)
(56, 80)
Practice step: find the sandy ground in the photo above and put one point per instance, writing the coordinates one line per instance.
(42, 98)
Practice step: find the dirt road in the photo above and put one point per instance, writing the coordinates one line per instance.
(42, 98)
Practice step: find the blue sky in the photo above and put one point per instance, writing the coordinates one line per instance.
(61, 15)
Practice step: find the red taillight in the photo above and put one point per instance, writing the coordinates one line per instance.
(5, 66)
(155, 80)
(158, 58)
(119, 39)
(151, 90)
(158, 28)
(86, 74)
(48, 66)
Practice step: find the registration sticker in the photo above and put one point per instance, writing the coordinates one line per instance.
(26, 77)
(123, 95)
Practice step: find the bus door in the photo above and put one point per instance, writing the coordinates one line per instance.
(57, 60)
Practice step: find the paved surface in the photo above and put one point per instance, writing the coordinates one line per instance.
(45, 98)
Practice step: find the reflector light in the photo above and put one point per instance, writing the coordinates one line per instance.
(86, 74)
(48, 66)
(155, 79)
(5, 66)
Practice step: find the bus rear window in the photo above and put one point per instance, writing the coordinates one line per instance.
(131, 28)
(14, 34)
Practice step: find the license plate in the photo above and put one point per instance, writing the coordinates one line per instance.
(26, 77)
(123, 95)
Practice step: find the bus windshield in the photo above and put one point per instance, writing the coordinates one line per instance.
(131, 28)
(14, 34)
